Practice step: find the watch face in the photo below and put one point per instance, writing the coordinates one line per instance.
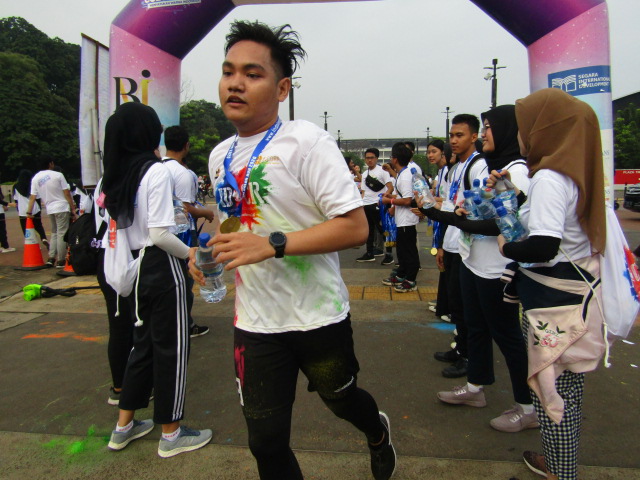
(278, 239)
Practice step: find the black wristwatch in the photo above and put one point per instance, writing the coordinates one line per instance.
(278, 241)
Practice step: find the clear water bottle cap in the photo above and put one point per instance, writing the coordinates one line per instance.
(413, 170)
(501, 211)
(203, 239)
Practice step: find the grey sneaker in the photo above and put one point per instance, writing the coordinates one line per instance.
(462, 396)
(119, 440)
(383, 459)
(515, 420)
(114, 397)
(187, 441)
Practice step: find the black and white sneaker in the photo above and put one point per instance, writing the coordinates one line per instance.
(198, 330)
(367, 257)
(383, 458)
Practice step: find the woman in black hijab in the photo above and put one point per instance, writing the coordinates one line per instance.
(21, 193)
(139, 200)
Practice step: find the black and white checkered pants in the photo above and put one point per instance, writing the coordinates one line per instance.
(560, 441)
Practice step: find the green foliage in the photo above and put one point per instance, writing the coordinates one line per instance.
(355, 158)
(33, 120)
(206, 125)
(627, 138)
(39, 88)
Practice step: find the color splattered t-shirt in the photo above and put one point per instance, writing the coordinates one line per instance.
(300, 180)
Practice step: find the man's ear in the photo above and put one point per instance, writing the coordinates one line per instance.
(284, 86)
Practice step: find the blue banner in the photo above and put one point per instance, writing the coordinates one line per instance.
(582, 81)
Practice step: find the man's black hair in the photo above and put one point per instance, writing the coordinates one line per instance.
(471, 120)
(286, 51)
(45, 161)
(436, 142)
(402, 153)
(411, 145)
(373, 150)
(176, 138)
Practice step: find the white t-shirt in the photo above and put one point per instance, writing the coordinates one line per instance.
(300, 180)
(451, 242)
(550, 210)
(22, 203)
(48, 185)
(184, 185)
(485, 259)
(370, 197)
(153, 206)
(404, 188)
(413, 164)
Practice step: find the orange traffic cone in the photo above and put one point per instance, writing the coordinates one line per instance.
(32, 257)
(67, 271)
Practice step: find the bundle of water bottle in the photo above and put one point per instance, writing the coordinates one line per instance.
(483, 203)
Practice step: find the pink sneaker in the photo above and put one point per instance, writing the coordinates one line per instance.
(515, 420)
(462, 396)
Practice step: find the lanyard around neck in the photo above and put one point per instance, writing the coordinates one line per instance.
(453, 190)
(231, 180)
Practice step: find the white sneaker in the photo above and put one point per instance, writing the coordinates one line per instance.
(432, 308)
(445, 318)
(515, 420)
(7, 250)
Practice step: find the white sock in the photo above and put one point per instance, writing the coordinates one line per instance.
(124, 429)
(527, 408)
(173, 436)
(473, 388)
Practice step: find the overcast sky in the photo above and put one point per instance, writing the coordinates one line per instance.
(380, 69)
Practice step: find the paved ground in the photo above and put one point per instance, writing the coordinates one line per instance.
(54, 379)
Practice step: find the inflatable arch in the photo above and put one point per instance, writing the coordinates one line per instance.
(567, 43)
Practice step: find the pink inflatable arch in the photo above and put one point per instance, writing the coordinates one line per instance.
(567, 42)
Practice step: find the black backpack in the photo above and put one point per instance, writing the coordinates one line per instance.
(84, 244)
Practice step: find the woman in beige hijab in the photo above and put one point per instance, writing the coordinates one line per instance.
(564, 217)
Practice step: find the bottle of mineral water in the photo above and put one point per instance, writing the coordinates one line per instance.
(510, 227)
(180, 217)
(214, 289)
(469, 205)
(422, 188)
(485, 208)
(505, 190)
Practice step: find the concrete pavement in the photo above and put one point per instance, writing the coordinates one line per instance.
(54, 379)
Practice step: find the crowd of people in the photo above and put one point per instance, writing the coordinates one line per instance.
(292, 309)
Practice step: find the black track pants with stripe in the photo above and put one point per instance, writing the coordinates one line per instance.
(161, 345)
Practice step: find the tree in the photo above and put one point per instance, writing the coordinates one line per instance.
(206, 125)
(627, 138)
(33, 120)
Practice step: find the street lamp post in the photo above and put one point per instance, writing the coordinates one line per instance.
(325, 116)
(447, 111)
(294, 85)
(428, 136)
(339, 137)
(493, 76)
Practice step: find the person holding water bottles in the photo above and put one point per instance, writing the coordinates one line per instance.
(282, 219)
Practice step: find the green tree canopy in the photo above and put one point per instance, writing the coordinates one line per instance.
(206, 125)
(33, 120)
(627, 138)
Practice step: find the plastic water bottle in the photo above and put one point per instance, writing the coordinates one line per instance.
(422, 188)
(476, 186)
(510, 227)
(469, 205)
(505, 190)
(484, 207)
(214, 289)
(180, 217)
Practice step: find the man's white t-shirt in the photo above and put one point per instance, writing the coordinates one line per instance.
(153, 206)
(184, 186)
(413, 164)
(300, 180)
(370, 197)
(485, 259)
(23, 203)
(550, 210)
(478, 169)
(404, 189)
(48, 185)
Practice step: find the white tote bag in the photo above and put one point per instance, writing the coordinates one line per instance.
(620, 280)
(120, 268)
